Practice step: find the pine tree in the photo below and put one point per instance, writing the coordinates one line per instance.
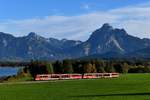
(58, 67)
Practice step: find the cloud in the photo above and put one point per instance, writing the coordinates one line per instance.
(135, 19)
(86, 6)
(71, 27)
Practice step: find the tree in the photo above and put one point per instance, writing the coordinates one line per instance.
(147, 69)
(49, 68)
(137, 69)
(89, 68)
(67, 66)
(100, 66)
(33, 68)
(77, 67)
(58, 67)
(23, 72)
(125, 68)
(93, 70)
(37, 67)
(109, 67)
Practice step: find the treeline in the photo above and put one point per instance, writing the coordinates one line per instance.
(87, 66)
(13, 63)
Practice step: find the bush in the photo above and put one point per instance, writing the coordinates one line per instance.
(138, 69)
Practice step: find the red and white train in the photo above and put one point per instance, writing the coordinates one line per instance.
(47, 77)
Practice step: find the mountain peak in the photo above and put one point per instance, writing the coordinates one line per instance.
(106, 26)
(32, 34)
(107, 31)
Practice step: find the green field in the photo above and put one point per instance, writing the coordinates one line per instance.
(127, 87)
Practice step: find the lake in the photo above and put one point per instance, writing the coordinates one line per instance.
(8, 71)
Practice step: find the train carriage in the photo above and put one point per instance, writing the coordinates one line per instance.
(75, 76)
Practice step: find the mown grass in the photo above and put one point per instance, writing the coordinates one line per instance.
(127, 87)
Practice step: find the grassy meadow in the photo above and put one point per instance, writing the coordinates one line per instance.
(126, 87)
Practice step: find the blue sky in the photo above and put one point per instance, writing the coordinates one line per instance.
(73, 19)
(22, 9)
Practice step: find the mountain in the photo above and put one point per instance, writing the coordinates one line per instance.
(105, 42)
(107, 39)
(33, 46)
(142, 53)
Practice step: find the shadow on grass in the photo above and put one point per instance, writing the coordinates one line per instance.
(121, 94)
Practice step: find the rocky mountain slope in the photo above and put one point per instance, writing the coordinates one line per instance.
(103, 42)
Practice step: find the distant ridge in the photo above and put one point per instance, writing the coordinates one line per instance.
(103, 42)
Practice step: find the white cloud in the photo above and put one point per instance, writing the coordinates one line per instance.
(72, 27)
(135, 19)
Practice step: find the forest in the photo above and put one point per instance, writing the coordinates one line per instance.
(86, 66)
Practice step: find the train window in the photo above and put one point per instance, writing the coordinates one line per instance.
(54, 76)
(114, 74)
(75, 75)
(44, 76)
(99, 75)
(106, 74)
(65, 76)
